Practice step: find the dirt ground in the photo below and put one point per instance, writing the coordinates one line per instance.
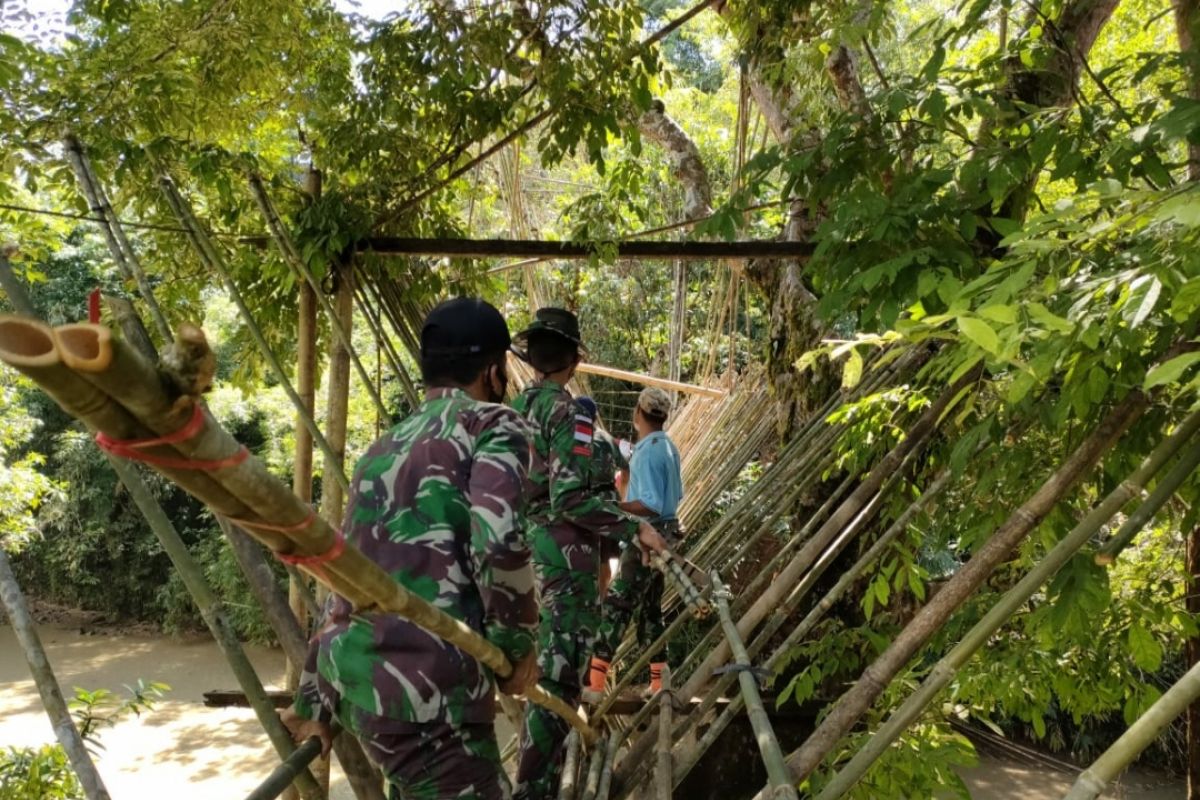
(199, 753)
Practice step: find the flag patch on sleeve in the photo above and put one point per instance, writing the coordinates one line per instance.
(583, 436)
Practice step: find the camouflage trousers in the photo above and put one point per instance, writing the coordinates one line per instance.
(440, 761)
(568, 620)
(636, 591)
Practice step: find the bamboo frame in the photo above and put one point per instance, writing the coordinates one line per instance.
(211, 257)
(944, 671)
(664, 782)
(854, 703)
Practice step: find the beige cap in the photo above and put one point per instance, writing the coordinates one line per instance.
(655, 401)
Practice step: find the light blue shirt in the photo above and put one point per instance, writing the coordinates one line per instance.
(654, 476)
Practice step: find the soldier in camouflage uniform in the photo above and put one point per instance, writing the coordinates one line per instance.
(610, 471)
(565, 520)
(655, 489)
(438, 503)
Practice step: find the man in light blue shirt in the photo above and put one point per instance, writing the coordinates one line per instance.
(655, 489)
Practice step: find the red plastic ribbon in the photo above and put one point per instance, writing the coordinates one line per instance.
(313, 563)
(131, 448)
(94, 306)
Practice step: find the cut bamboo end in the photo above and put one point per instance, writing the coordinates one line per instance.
(85, 347)
(26, 343)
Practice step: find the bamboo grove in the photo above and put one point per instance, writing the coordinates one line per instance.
(943, 474)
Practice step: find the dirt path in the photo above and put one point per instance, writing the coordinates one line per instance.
(200, 753)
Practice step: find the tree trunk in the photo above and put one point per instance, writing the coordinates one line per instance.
(1193, 658)
(1187, 26)
(333, 497)
(686, 164)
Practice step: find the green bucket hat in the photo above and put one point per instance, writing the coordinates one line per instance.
(555, 320)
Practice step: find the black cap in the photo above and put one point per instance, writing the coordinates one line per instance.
(555, 320)
(464, 326)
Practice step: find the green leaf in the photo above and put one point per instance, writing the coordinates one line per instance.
(852, 371)
(980, 333)
(1048, 319)
(1170, 371)
(1145, 650)
(996, 313)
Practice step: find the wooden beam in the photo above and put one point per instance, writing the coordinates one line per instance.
(531, 248)
(650, 380)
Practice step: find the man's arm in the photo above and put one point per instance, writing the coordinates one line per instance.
(498, 551)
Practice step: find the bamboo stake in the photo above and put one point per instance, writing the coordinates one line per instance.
(945, 670)
(851, 706)
(664, 783)
(610, 755)
(570, 774)
(212, 257)
(1140, 735)
(1192, 657)
(768, 745)
(111, 366)
(594, 768)
(114, 235)
(47, 685)
(299, 268)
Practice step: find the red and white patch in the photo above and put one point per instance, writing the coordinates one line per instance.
(583, 436)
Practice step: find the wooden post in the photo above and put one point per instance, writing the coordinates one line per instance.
(47, 684)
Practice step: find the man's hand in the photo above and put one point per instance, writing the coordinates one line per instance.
(650, 541)
(524, 675)
(304, 729)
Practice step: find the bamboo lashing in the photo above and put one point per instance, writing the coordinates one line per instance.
(128, 397)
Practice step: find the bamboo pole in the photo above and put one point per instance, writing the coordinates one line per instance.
(664, 783)
(271, 513)
(570, 774)
(854, 703)
(606, 772)
(916, 438)
(47, 685)
(299, 268)
(768, 745)
(114, 234)
(945, 670)
(1162, 492)
(31, 348)
(592, 785)
(1140, 735)
(649, 380)
(212, 257)
(282, 776)
(337, 403)
(691, 756)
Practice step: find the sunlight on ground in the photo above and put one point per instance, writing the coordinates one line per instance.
(199, 753)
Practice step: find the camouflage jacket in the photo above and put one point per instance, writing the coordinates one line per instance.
(607, 460)
(438, 503)
(562, 498)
